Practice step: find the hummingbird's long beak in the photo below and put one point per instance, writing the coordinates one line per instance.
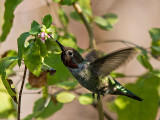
(60, 45)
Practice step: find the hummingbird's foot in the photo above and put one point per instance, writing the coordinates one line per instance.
(93, 95)
(98, 96)
(101, 92)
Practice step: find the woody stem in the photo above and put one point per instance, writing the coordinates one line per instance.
(92, 43)
(20, 93)
(100, 109)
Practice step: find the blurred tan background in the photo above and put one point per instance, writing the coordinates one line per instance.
(136, 17)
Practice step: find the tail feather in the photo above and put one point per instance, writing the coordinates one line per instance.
(131, 95)
(116, 88)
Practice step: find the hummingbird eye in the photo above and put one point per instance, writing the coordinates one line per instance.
(70, 53)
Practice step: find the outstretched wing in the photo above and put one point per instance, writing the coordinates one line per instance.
(110, 62)
(93, 55)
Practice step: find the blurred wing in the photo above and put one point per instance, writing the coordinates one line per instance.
(93, 55)
(110, 62)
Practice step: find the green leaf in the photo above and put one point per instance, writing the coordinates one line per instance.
(65, 97)
(52, 46)
(54, 61)
(156, 48)
(143, 60)
(86, 7)
(29, 87)
(107, 21)
(67, 2)
(46, 67)
(41, 112)
(35, 28)
(47, 20)
(38, 108)
(115, 74)
(57, 1)
(42, 47)
(49, 70)
(102, 23)
(10, 72)
(111, 18)
(86, 99)
(4, 64)
(146, 87)
(39, 105)
(33, 59)
(52, 30)
(74, 15)
(8, 110)
(10, 53)
(111, 106)
(155, 35)
(20, 42)
(69, 40)
(144, 52)
(51, 80)
(63, 17)
(10, 6)
(50, 109)
(67, 84)
(30, 116)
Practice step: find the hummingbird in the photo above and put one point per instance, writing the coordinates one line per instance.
(92, 71)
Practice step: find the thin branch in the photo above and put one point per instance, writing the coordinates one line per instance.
(53, 11)
(100, 109)
(61, 90)
(20, 93)
(40, 92)
(121, 41)
(88, 27)
(50, 7)
(45, 91)
(129, 76)
(105, 114)
(64, 27)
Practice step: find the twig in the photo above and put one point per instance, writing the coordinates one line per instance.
(20, 93)
(121, 41)
(50, 7)
(105, 114)
(61, 90)
(100, 109)
(92, 44)
(45, 91)
(40, 92)
(64, 27)
(129, 76)
(53, 12)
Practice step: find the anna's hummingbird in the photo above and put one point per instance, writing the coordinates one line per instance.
(91, 72)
